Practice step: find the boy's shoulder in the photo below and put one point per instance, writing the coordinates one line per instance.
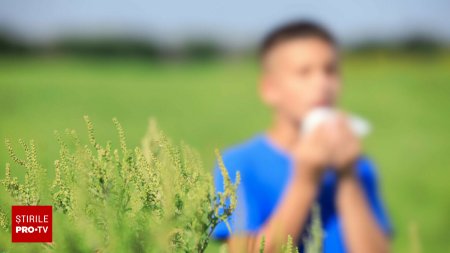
(250, 145)
(238, 155)
(243, 149)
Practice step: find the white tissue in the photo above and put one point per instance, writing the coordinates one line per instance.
(318, 116)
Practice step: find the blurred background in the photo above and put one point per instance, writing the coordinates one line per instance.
(192, 66)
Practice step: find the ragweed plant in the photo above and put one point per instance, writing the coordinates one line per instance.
(314, 238)
(153, 198)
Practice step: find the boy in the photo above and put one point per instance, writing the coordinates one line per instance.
(284, 173)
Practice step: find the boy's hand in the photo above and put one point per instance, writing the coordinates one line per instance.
(312, 153)
(345, 146)
(331, 144)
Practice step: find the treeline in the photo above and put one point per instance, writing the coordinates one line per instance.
(193, 49)
(416, 44)
(110, 47)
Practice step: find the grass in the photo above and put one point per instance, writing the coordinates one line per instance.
(214, 105)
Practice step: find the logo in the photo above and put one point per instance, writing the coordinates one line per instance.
(31, 224)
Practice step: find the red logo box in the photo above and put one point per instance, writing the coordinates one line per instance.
(31, 224)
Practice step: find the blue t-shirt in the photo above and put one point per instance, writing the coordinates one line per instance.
(265, 173)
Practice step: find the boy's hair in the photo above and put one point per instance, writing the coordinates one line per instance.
(292, 30)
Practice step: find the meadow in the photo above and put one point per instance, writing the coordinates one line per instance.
(215, 104)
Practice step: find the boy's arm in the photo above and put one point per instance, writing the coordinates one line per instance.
(288, 219)
(361, 230)
(292, 211)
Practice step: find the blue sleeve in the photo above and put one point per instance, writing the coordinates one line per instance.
(369, 178)
(240, 221)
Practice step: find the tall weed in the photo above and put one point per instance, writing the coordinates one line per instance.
(153, 198)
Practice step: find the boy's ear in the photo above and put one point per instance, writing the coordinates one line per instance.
(268, 90)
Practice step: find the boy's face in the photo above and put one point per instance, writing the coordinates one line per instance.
(298, 75)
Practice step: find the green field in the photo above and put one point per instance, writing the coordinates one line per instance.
(215, 105)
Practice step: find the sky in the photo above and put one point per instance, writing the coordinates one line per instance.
(233, 21)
